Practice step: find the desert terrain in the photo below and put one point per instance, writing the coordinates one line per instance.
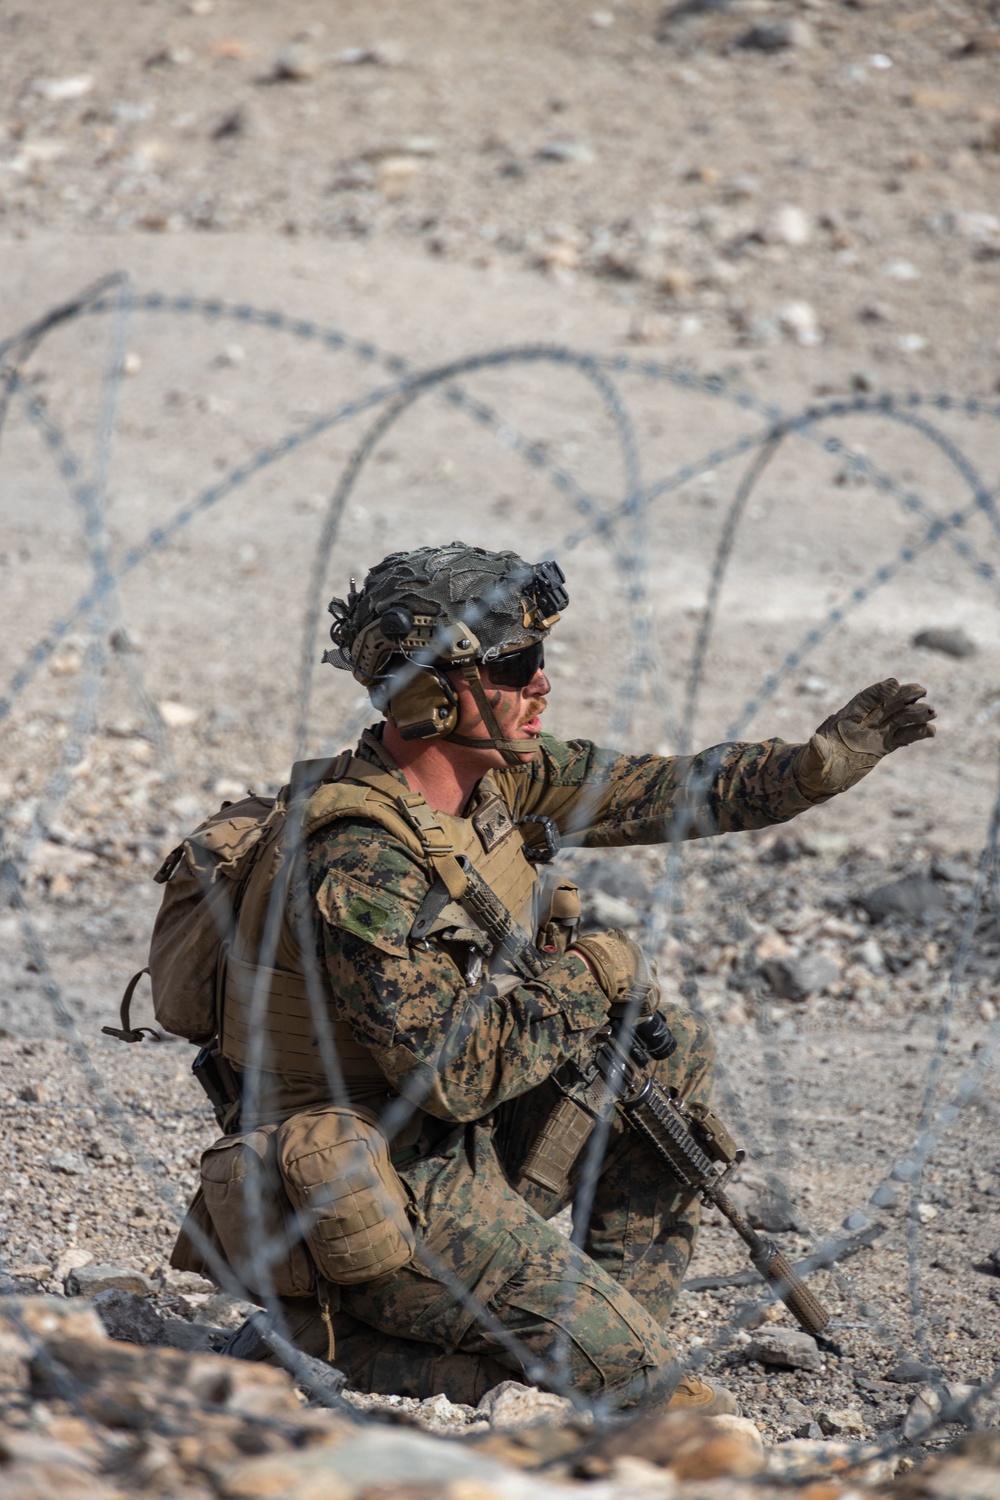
(628, 254)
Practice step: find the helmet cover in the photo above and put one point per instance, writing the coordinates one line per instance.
(443, 605)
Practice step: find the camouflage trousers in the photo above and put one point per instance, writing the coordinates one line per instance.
(495, 1291)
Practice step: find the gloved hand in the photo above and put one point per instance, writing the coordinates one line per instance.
(855, 738)
(622, 970)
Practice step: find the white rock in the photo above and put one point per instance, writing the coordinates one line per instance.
(49, 859)
(612, 911)
(635, 1478)
(926, 1212)
(602, 19)
(845, 1422)
(923, 1412)
(911, 343)
(386, 54)
(510, 1405)
(744, 1428)
(977, 226)
(177, 715)
(229, 789)
(577, 152)
(799, 319)
(870, 954)
(73, 1258)
(88, 1280)
(900, 270)
(789, 225)
(296, 63)
(57, 90)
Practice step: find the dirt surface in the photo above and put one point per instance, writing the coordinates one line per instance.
(785, 228)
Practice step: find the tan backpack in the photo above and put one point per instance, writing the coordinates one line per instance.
(209, 876)
(205, 879)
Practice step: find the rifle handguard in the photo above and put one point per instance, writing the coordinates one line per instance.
(776, 1270)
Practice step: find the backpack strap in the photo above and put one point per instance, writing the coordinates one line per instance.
(250, 902)
(126, 1032)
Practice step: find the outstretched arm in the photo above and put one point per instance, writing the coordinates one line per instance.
(600, 797)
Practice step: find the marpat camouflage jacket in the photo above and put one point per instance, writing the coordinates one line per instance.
(458, 1050)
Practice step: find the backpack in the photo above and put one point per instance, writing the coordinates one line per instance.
(205, 879)
(219, 879)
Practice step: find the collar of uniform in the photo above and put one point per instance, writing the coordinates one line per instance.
(371, 749)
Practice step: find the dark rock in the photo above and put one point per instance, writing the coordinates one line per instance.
(782, 851)
(915, 898)
(798, 978)
(785, 1347)
(129, 1318)
(233, 123)
(800, 1419)
(951, 642)
(885, 1196)
(909, 1372)
(615, 878)
(954, 870)
(193, 1338)
(296, 63)
(776, 36)
(771, 1212)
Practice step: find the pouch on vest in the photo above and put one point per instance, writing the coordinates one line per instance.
(203, 879)
(558, 913)
(252, 1218)
(351, 1204)
(195, 1237)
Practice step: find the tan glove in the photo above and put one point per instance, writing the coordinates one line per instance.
(621, 969)
(855, 738)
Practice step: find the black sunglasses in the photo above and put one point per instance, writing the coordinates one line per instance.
(517, 668)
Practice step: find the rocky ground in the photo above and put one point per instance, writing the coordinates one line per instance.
(781, 206)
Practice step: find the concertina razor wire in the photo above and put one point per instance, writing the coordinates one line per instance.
(622, 528)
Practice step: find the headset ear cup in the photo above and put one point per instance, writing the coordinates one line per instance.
(425, 707)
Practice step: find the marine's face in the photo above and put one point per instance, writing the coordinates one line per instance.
(518, 710)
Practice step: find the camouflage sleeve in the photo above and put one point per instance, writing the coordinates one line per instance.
(456, 1050)
(600, 797)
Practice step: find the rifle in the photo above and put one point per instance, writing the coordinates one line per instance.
(689, 1138)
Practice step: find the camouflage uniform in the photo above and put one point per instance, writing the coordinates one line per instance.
(476, 1060)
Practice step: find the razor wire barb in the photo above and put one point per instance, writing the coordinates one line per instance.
(115, 296)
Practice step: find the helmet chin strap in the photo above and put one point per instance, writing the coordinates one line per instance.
(511, 750)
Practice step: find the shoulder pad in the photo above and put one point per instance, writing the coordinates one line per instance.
(337, 800)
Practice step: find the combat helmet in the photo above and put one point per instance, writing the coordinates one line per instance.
(422, 614)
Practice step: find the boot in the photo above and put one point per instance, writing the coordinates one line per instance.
(707, 1400)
